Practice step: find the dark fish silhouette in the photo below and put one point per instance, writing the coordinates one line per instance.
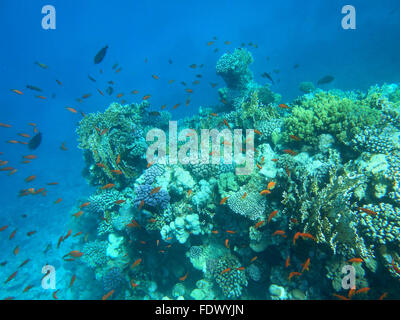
(100, 55)
(110, 90)
(268, 76)
(33, 88)
(35, 141)
(326, 79)
(91, 78)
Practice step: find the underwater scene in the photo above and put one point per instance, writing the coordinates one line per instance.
(200, 150)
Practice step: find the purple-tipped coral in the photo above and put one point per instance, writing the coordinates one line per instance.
(157, 200)
(152, 173)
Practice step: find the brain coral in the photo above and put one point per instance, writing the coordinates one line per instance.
(252, 207)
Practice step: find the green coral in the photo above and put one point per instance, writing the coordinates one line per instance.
(329, 112)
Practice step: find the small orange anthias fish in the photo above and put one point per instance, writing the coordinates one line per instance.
(272, 214)
(184, 277)
(137, 262)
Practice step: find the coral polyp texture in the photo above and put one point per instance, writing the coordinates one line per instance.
(323, 194)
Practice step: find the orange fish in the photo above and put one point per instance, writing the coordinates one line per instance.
(72, 281)
(258, 224)
(13, 234)
(362, 290)
(155, 190)
(163, 106)
(209, 43)
(306, 265)
(295, 237)
(146, 97)
(84, 204)
(108, 186)
(293, 137)
(78, 214)
(189, 90)
(118, 159)
(368, 211)
(13, 141)
(71, 109)
(106, 296)
(227, 124)
(258, 132)
(307, 235)
(176, 106)
(63, 147)
(29, 156)
(272, 214)
(58, 200)
(138, 261)
(271, 185)
(357, 260)
(189, 193)
(214, 231)
(30, 233)
(253, 259)
(227, 243)
(184, 277)
(230, 231)
(119, 95)
(193, 66)
(100, 92)
(16, 250)
(223, 200)
(155, 77)
(170, 81)
(68, 234)
(141, 204)
(25, 135)
(265, 192)
(3, 228)
(11, 277)
(280, 233)
(4, 125)
(294, 273)
(340, 296)
(283, 106)
(226, 270)
(27, 288)
(289, 151)
(213, 114)
(74, 253)
(55, 294)
(135, 92)
(244, 195)
(119, 201)
(133, 284)
(59, 241)
(383, 296)
(287, 262)
(30, 178)
(240, 269)
(17, 91)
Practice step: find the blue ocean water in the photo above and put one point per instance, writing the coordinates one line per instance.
(148, 38)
